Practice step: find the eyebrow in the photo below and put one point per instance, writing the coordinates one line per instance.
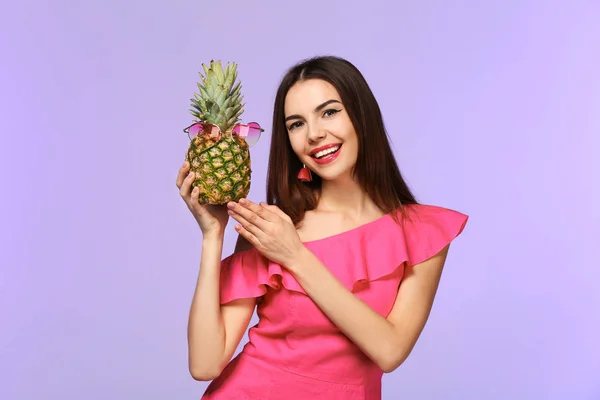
(319, 108)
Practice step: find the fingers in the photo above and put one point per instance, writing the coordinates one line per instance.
(277, 211)
(246, 234)
(244, 224)
(247, 218)
(194, 198)
(181, 174)
(184, 191)
(259, 210)
(247, 230)
(253, 216)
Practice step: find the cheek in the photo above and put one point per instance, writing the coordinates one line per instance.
(348, 131)
(350, 137)
(352, 144)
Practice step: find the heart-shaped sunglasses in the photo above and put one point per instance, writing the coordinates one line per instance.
(250, 132)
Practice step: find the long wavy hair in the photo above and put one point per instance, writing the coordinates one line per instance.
(376, 169)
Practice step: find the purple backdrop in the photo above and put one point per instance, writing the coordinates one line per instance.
(492, 109)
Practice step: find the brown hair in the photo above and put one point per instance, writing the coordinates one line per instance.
(376, 169)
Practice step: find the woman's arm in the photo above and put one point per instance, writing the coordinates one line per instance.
(214, 330)
(386, 341)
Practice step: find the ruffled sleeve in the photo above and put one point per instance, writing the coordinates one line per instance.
(428, 229)
(375, 251)
(247, 274)
(239, 276)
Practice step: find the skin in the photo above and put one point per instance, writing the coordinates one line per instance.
(215, 331)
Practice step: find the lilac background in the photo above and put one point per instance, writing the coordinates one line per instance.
(493, 111)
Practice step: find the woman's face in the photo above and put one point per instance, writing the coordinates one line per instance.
(320, 130)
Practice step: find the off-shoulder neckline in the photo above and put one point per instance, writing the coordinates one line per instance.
(350, 231)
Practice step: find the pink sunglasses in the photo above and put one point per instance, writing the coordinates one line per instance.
(250, 132)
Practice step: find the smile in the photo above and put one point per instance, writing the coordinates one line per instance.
(326, 155)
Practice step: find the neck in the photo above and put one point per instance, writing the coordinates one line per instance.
(345, 196)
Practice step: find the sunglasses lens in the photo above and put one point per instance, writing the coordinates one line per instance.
(212, 131)
(250, 132)
(195, 130)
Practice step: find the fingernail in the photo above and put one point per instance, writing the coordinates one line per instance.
(231, 205)
(242, 201)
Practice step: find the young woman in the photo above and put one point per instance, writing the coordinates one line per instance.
(342, 262)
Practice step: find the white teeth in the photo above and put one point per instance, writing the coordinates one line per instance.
(326, 152)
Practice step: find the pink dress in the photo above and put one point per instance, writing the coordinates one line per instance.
(295, 352)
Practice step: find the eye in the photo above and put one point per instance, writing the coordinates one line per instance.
(295, 125)
(330, 112)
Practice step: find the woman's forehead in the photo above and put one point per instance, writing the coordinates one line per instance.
(305, 96)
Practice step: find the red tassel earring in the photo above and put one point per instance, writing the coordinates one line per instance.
(305, 175)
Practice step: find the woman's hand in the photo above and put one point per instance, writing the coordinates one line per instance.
(211, 218)
(269, 230)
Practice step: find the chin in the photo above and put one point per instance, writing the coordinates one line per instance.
(333, 174)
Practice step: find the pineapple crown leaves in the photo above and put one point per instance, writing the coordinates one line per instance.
(219, 98)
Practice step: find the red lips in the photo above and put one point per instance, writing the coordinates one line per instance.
(329, 157)
(325, 147)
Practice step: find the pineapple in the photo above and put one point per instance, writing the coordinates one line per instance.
(221, 166)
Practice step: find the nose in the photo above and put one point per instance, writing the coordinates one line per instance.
(316, 134)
